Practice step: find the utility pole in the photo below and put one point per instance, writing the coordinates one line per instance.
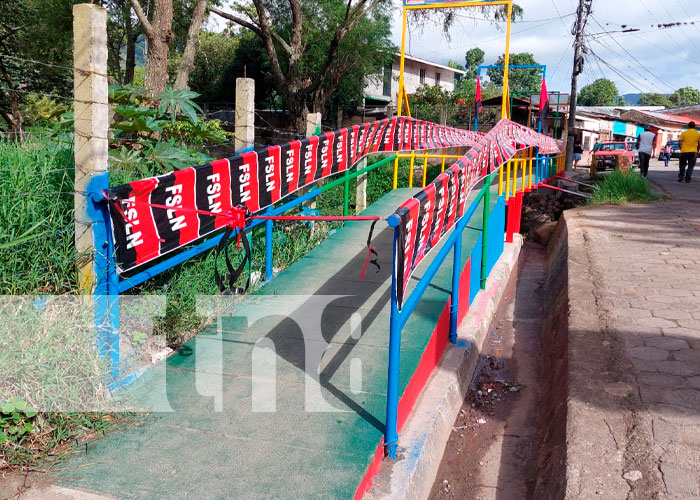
(584, 9)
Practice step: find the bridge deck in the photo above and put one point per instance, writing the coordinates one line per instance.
(198, 452)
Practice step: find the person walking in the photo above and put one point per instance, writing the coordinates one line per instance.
(578, 154)
(667, 154)
(689, 142)
(645, 144)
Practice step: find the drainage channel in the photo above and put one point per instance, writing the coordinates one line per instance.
(490, 454)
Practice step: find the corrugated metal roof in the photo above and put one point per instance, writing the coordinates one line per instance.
(614, 111)
(684, 109)
(665, 116)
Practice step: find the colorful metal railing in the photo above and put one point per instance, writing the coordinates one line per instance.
(526, 171)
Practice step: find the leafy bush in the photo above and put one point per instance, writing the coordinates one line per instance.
(201, 132)
(41, 111)
(623, 187)
(151, 136)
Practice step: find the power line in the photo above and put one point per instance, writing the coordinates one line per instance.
(649, 86)
(667, 51)
(663, 4)
(600, 69)
(464, 16)
(659, 25)
(634, 58)
(563, 54)
(561, 18)
(616, 71)
(683, 7)
(474, 44)
(657, 20)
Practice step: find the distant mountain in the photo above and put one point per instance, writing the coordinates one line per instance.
(632, 99)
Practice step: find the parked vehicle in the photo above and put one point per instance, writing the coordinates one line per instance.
(675, 150)
(608, 154)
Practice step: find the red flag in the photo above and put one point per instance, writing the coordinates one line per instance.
(477, 102)
(544, 101)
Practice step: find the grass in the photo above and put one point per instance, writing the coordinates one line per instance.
(37, 254)
(47, 359)
(620, 188)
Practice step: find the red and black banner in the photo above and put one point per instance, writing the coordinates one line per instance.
(477, 99)
(431, 213)
(544, 101)
(254, 180)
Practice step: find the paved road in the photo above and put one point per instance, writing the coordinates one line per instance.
(634, 355)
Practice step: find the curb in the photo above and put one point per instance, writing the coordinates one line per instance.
(425, 434)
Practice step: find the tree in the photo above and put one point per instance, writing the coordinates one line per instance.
(37, 30)
(123, 31)
(308, 45)
(447, 16)
(522, 80)
(620, 101)
(212, 76)
(686, 96)
(191, 45)
(455, 65)
(601, 92)
(473, 58)
(655, 99)
(159, 32)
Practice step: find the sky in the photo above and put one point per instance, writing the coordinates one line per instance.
(648, 60)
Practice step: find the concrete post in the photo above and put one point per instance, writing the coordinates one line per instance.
(91, 111)
(361, 194)
(389, 110)
(313, 127)
(443, 115)
(313, 124)
(245, 115)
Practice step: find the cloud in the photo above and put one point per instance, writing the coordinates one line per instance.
(650, 60)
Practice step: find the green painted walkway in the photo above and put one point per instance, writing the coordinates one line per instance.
(218, 447)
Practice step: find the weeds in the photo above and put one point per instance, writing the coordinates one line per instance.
(37, 253)
(620, 187)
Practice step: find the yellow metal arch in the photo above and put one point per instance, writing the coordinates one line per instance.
(403, 96)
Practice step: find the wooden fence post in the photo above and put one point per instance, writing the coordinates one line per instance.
(91, 111)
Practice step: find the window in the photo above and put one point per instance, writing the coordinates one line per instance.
(422, 77)
(387, 79)
(613, 146)
(437, 78)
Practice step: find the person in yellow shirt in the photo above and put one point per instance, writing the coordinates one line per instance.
(689, 143)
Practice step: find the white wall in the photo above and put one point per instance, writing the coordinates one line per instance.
(412, 76)
(374, 86)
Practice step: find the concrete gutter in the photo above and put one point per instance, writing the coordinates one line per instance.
(422, 440)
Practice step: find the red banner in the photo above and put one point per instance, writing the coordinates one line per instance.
(255, 180)
(426, 218)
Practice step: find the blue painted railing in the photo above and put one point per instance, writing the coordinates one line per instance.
(487, 250)
(109, 285)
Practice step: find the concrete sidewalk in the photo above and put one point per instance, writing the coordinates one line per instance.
(633, 424)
